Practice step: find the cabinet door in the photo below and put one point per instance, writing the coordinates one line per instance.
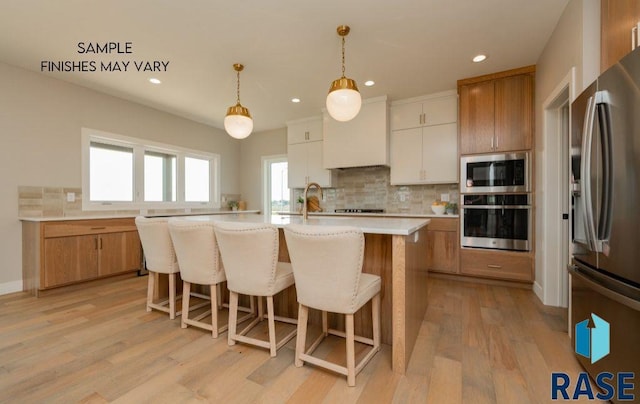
(406, 156)
(440, 110)
(314, 129)
(442, 251)
(297, 132)
(315, 171)
(118, 253)
(514, 112)
(618, 17)
(297, 165)
(405, 116)
(69, 259)
(477, 111)
(440, 153)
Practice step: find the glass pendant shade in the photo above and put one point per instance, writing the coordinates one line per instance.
(344, 100)
(238, 122)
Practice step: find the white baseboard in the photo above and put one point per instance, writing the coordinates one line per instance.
(10, 287)
(537, 289)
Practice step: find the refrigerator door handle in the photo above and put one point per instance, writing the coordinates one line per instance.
(604, 119)
(585, 174)
(574, 270)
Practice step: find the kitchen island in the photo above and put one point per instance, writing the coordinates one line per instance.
(395, 249)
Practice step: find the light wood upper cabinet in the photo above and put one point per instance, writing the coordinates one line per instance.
(620, 21)
(496, 112)
(362, 141)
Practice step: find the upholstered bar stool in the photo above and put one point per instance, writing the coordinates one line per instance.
(250, 255)
(199, 259)
(327, 266)
(160, 258)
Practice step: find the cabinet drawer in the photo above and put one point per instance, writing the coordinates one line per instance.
(438, 224)
(497, 264)
(81, 227)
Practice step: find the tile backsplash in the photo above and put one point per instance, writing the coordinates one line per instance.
(52, 202)
(369, 188)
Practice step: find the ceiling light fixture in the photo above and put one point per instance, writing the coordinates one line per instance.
(479, 58)
(369, 83)
(295, 100)
(238, 122)
(154, 80)
(343, 100)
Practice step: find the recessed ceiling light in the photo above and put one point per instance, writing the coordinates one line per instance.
(369, 83)
(155, 80)
(295, 100)
(479, 58)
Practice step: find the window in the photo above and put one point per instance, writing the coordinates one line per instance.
(120, 172)
(276, 191)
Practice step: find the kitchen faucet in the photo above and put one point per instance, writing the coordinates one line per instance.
(305, 214)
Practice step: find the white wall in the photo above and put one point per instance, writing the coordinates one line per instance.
(40, 121)
(252, 149)
(575, 43)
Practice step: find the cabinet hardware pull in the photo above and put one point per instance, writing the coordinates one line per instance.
(491, 142)
(497, 141)
(96, 243)
(634, 37)
(101, 243)
(494, 266)
(99, 228)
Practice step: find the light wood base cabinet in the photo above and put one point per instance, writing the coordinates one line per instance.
(504, 265)
(442, 245)
(58, 253)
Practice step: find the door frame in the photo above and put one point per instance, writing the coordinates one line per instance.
(266, 180)
(552, 196)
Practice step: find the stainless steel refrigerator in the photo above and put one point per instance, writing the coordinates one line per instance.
(605, 178)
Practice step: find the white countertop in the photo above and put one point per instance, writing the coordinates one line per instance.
(111, 216)
(374, 225)
(385, 214)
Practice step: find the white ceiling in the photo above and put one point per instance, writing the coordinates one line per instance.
(289, 47)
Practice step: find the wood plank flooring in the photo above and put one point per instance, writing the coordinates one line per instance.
(96, 344)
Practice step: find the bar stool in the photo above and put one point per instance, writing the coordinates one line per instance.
(160, 258)
(250, 255)
(327, 266)
(200, 264)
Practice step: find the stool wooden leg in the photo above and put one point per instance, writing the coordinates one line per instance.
(219, 292)
(272, 325)
(351, 357)
(376, 321)
(172, 296)
(325, 324)
(260, 308)
(233, 317)
(301, 339)
(213, 291)
(151, 285)
(186, 295)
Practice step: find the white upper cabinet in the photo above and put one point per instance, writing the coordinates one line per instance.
(436, 109)
(362, 141)
(304, 130)
(424, 140)
(304, 154)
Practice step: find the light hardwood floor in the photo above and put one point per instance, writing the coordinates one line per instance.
(96, 343)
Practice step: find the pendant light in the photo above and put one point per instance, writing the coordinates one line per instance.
(343, 100)
(238, 122)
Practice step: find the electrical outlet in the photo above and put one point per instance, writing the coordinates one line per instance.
(71, 196)
(444, 197)
(403, 197)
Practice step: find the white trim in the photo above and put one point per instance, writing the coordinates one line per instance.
(139, 146)
(551, 287)
(447, 93)
(266, 180)
(10, 287)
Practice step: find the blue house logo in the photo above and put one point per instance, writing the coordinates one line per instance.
(592, 338)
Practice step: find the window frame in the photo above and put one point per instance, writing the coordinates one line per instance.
(139, 147)
(266, 182)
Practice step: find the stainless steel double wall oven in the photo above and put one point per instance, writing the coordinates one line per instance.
(495, 201)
